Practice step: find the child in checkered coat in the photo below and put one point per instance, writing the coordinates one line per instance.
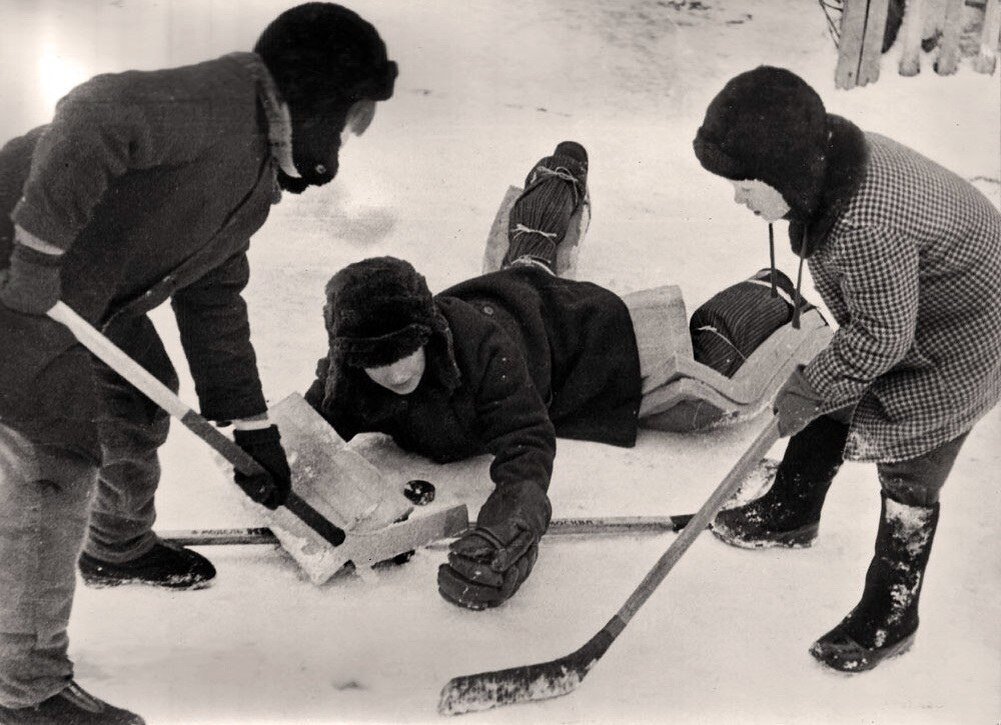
(907, 257)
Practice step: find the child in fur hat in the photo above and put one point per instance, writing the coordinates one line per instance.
(499, 364)
(502, 364)
(907, 257)
(146, 186)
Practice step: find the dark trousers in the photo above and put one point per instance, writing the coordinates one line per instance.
(48, 496)
(915, 482)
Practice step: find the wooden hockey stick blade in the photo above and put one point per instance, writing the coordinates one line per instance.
(611, 525)
(542, 681)
(545, 680)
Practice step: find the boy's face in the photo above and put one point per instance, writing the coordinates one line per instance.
(403, 376)
(764, 200)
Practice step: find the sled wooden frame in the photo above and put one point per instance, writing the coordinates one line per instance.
(694, 396)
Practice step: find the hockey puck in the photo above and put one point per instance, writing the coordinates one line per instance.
(419, 492)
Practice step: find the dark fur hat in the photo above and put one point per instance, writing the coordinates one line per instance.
(379, 311)
(324, 52)
(324, 58)
(768, 124)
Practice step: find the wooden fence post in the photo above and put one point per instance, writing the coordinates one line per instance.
(948, 54)
(910, 57)
(860, 46)
(986, 60)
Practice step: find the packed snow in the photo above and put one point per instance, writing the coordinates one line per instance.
(485, 89)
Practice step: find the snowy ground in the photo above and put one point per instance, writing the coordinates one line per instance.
(486, 88)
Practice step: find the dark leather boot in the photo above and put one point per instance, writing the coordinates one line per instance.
(789, 512)
(884, 622)
(72, 706)
(165, 565)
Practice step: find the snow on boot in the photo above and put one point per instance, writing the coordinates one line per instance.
(884, 622)
(72, 706)
(165, 565)
(788, 514)
(550, 209)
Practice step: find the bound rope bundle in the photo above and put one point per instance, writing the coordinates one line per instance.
(554, 190)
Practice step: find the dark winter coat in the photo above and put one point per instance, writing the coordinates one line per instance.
(907, 256)
(525, 355)
(153, 182)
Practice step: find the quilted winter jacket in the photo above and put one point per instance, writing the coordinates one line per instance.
(153, 182)
(911, 271)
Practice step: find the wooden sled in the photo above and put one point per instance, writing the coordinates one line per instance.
(686, 395)
(681, 394)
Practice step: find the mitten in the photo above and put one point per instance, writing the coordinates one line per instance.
(797, 403)
(487, 565)
(270, 488)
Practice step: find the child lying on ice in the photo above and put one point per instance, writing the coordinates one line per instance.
(501, 363)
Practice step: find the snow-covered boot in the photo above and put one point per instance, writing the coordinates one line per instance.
(165, 565)
(552, 212)
(789, 512)
(884, 622)
(71, 706)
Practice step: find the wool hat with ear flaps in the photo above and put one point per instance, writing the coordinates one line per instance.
(379, 311)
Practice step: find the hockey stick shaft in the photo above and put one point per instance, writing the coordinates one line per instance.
(624, 525)
(729, 485)
(561, 676)
(119, 361)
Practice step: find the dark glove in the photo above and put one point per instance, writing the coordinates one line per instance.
(797, 403)
(487, 565)
(32, 282)
(270, 489)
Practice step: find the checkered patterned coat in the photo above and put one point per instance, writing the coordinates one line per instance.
(911, 271)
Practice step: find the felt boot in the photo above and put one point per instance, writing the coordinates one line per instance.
(788, 514)
(884, 622)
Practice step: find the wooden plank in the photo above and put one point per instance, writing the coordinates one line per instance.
(987, 58)
(872, 43)
(850, 45)
(948, 54)
(497, 241)
(336, 481)
(910, 32)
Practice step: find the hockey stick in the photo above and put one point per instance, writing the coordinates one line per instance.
(116, 359)
(557, 527)
(545, 680)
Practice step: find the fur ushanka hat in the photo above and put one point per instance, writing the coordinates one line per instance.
(324, 59)
(322, 52)
(768, 124)
(379, 311)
